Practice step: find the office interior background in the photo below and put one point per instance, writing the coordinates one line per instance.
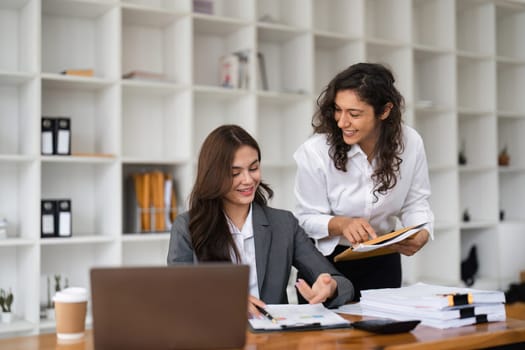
(460, 65)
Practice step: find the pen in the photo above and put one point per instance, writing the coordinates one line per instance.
(266, 313)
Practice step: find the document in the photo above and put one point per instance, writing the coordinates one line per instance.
(379, 245)
(298, 317)
(424, 295)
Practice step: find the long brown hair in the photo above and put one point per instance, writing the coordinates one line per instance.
(374, 84)
(210, 234)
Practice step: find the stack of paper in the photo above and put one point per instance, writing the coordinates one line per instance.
(436, 306)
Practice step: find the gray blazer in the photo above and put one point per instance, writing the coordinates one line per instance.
(279, 244)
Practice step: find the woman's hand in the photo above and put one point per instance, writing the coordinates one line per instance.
(355, 230)
(252, 309)
(323, 288)
(412, 244)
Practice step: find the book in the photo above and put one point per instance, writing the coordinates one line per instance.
(261, 71)
(143, 75)
(229, 71)
(78, 72)
(298, 317)
(379, 245)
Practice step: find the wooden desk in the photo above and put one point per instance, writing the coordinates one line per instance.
(471, 337)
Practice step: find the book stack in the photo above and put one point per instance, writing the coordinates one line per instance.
(436, 306)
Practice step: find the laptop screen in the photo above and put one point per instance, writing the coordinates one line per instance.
(173, 307)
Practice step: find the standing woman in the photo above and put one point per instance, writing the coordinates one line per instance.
(229, 221)
(361, 171)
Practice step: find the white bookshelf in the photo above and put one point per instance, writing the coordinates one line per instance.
(460, 65)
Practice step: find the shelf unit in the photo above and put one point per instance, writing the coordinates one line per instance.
(460, 65)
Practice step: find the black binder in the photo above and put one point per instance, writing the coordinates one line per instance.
(64, 217)
(63, 136)
(48, 136)
(48, 218)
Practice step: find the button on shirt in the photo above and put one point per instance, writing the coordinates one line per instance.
(245, 244)
(322, 191)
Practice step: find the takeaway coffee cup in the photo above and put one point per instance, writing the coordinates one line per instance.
(70, 313)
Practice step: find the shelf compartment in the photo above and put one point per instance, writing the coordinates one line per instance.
(331, 56)
(214, 109)
(19, 36)
(282, 127)
(510, 84)
(94, 193)
(511, 194)
(131, 218)
(146, 252)
(472, 187)
(476, 139)
(292, 13)
(93, 113)
(64, 22)
(19, 126)
(431, 26)
(485, 240)
(399, 60)
(232, 9)
(148, 16)
(74, 263)
(150, 116)
(214, 39)
(475, 27)
(433, 83)
(439, 154)
(396, 28)
(423, 267)
(476, 83)
(510, 136)
(510, 31)
(22, 278)
(333, 17)
(444, 198)
(167, 6)
(156, 44)
(280, 51)
(511, 253)
(19, 184)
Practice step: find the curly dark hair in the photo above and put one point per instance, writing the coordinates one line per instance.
(210, 234)
(374, 84)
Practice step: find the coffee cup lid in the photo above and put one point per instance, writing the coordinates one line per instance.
(71, 295)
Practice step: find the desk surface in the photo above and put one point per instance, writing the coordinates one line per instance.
(469, 337)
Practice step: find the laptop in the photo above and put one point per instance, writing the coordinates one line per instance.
(173, 307)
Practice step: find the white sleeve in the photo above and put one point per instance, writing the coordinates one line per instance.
(416, 208)
(313, 207)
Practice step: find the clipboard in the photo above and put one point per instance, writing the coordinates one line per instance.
(378, 246)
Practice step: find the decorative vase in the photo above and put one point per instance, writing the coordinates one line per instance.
(503, 158)
(7, 317)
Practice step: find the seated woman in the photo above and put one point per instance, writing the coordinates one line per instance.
(229, 221)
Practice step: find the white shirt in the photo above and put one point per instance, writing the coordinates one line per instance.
(322, 191)
(246, 246)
